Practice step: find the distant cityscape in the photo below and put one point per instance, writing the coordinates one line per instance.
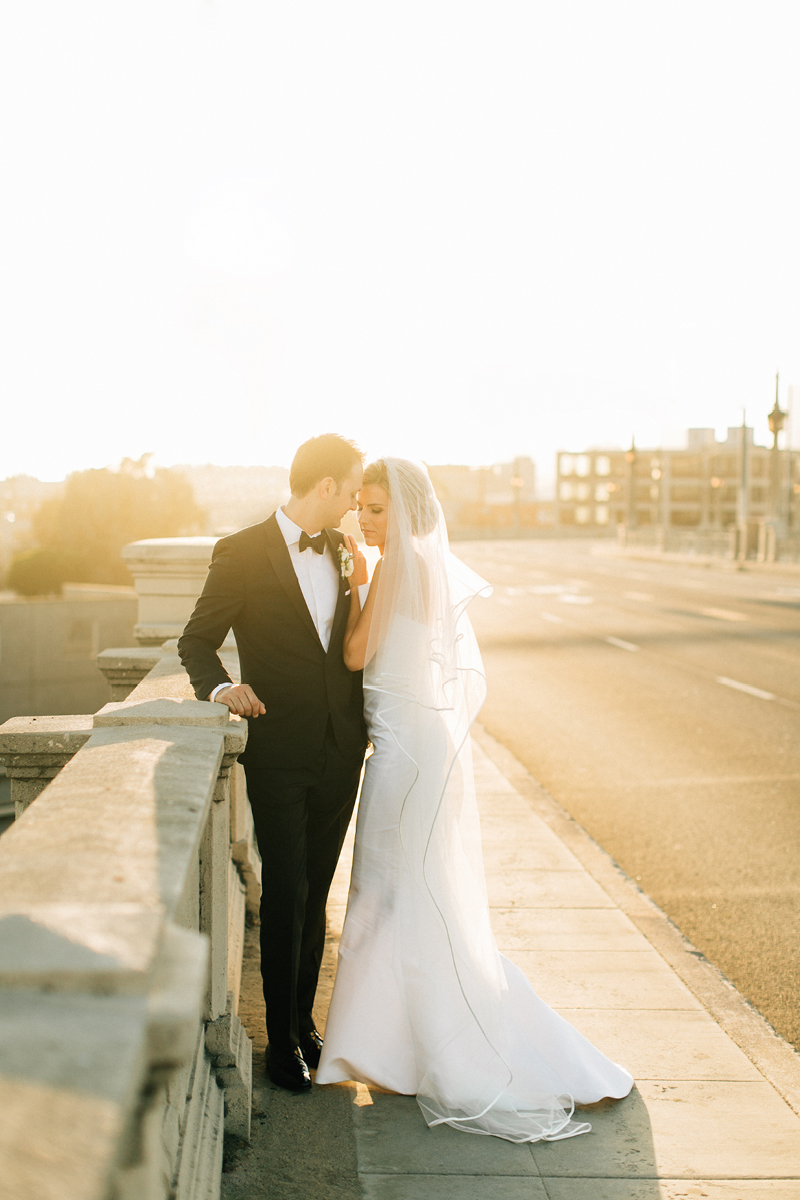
(708, 485)
(731, 498)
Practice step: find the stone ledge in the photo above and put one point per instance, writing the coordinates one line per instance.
(34, 750)
(124, 668)
(70, 1071)
(34, 766)
(198, 713)
(121, 824)
(170, 552)
(128, 658)
(44, 735)
(149, 635)
(78, 948)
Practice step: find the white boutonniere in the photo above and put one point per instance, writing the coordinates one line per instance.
(346, 562)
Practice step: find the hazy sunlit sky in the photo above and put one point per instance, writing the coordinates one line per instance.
(459, 230)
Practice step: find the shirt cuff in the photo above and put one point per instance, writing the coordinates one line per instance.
(219, 688)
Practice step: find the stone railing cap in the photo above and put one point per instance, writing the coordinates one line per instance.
(163, 712)
(137, 654)
(166, 549)
(43, 734)
(78, 947)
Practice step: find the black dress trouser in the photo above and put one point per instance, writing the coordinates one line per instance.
(301, 818)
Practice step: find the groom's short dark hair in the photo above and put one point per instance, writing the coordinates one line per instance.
(323, 457)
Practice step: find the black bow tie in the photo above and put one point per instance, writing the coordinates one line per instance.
(316, 543)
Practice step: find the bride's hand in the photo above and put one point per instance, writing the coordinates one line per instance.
(359, 575)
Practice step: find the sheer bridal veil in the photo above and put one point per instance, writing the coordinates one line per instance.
(425, 685)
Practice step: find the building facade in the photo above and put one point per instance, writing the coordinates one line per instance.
(49, 647)
(496, 501)
(708, 485)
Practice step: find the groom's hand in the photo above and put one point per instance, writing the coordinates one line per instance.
(241, 700)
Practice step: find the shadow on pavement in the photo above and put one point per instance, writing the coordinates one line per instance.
(301, 1145)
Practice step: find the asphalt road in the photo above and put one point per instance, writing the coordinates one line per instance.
(660, 705)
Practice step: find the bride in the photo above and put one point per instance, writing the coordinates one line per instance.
(424, 1004)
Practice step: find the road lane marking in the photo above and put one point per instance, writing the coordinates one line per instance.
(548, 589)
(682, 664)
(723, 614)
(745, 687)
(568, 599)
(612, 641)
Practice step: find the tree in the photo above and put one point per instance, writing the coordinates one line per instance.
(40, 572)
(100, 511)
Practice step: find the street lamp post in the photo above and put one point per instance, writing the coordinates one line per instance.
(716, 484)
(630, 459)
(743, 505)
(776, 420)
(517, 484)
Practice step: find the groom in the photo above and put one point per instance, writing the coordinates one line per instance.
(281, 588)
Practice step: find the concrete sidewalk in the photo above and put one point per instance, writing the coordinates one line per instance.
(715, 1110)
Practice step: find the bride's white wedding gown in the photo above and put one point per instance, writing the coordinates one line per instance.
(424, 1004)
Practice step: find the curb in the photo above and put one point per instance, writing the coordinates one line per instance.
(777, 1061)
(706, 561)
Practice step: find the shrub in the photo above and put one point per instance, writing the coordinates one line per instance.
(39, 572)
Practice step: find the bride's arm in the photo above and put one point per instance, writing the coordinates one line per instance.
(356, 635)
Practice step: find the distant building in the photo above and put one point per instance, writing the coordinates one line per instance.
(49, 647)
(234, 497)
(699, 487)
(490, 501)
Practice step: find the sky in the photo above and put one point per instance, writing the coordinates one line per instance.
(457, 230)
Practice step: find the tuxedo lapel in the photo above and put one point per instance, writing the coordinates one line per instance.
(343, 599)
(278, 553)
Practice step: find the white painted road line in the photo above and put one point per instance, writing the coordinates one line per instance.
(548, 589)
(552, 617)
(568, 599)
(612, 641)
(723, 614)
(745, 687)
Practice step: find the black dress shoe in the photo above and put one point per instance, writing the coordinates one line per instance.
(311, 1047)
(288, 1070)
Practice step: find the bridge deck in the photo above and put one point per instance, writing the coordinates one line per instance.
(703, 1120)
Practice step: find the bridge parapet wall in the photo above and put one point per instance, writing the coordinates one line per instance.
(124, 890)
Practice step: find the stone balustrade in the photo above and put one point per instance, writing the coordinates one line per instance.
(126, 668)
(34, 750)
(125, 884)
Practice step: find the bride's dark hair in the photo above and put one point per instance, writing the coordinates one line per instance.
(418, 496)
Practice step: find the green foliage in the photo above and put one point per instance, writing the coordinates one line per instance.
(40, 572)
(100, 511)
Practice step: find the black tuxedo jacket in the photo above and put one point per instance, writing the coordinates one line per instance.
(252, 588)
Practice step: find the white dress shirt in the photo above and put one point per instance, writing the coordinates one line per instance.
(318, 576)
